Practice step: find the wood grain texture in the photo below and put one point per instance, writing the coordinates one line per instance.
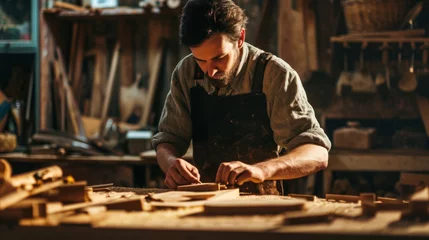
(246, 207)
(200, 187)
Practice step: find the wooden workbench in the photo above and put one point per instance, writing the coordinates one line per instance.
(193, 224)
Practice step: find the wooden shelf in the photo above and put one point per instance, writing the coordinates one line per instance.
(379, 160)
(406, 36)
(107, 13)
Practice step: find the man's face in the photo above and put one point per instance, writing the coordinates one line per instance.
(219, 58)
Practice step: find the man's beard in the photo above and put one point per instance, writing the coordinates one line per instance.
(225, 78)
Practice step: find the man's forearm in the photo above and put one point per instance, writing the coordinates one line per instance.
(165, 154)
(301, 161)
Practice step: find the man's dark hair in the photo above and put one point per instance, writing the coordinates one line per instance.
(203, 18)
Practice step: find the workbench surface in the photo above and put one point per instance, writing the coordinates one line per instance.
(193, 224)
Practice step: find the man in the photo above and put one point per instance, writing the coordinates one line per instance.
(238, 105)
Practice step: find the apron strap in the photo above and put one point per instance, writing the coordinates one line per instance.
(258, 75)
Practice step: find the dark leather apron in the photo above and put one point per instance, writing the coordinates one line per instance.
(233, 128)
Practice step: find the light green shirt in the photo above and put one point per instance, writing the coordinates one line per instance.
(292, 118)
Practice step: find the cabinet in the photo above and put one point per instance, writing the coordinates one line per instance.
(19, 56)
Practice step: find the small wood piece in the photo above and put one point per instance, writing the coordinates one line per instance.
(252, 207)
(367, 198)
(307, 217)
(307, 197)
(73, 192)
(69, 6)
(137, 204)
(346, 198)
(200, 187)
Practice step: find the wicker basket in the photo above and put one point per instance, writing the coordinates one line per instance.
(7, 142)
(375, 15)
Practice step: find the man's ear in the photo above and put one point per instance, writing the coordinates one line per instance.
(242, 37)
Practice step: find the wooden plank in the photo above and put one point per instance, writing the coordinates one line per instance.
(246, 207)
(220, 196)
(307, 217)
(153, 80)
(136, 204)
(100, 67)
(200, 187)
(72, 108)
(125, 35)
(78, 62)
(310, 34)
(307, 197)
(291, 35)
(72, 53)
(338, 197)
(109, 88)
(181, 196)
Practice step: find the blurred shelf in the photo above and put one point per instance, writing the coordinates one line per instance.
(108, 13)
(379, 160)
(406, 36)
(49, 158)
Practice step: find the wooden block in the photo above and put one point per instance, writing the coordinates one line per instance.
(310, 198)
(368, 205)
(69, 193)
(29, 208)
(367, 197)
(307, 217)
(252, 207)
(338, 197)
(200, 187)
(136, 204)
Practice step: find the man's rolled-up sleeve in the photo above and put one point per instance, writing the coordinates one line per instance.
(175, 125)
(292, 117)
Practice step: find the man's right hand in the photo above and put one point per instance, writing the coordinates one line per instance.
(181, 173)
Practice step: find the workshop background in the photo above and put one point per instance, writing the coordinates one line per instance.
(87, 80)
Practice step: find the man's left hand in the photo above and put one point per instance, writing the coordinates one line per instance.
(239, 172)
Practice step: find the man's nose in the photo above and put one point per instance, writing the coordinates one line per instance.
(211, 71)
